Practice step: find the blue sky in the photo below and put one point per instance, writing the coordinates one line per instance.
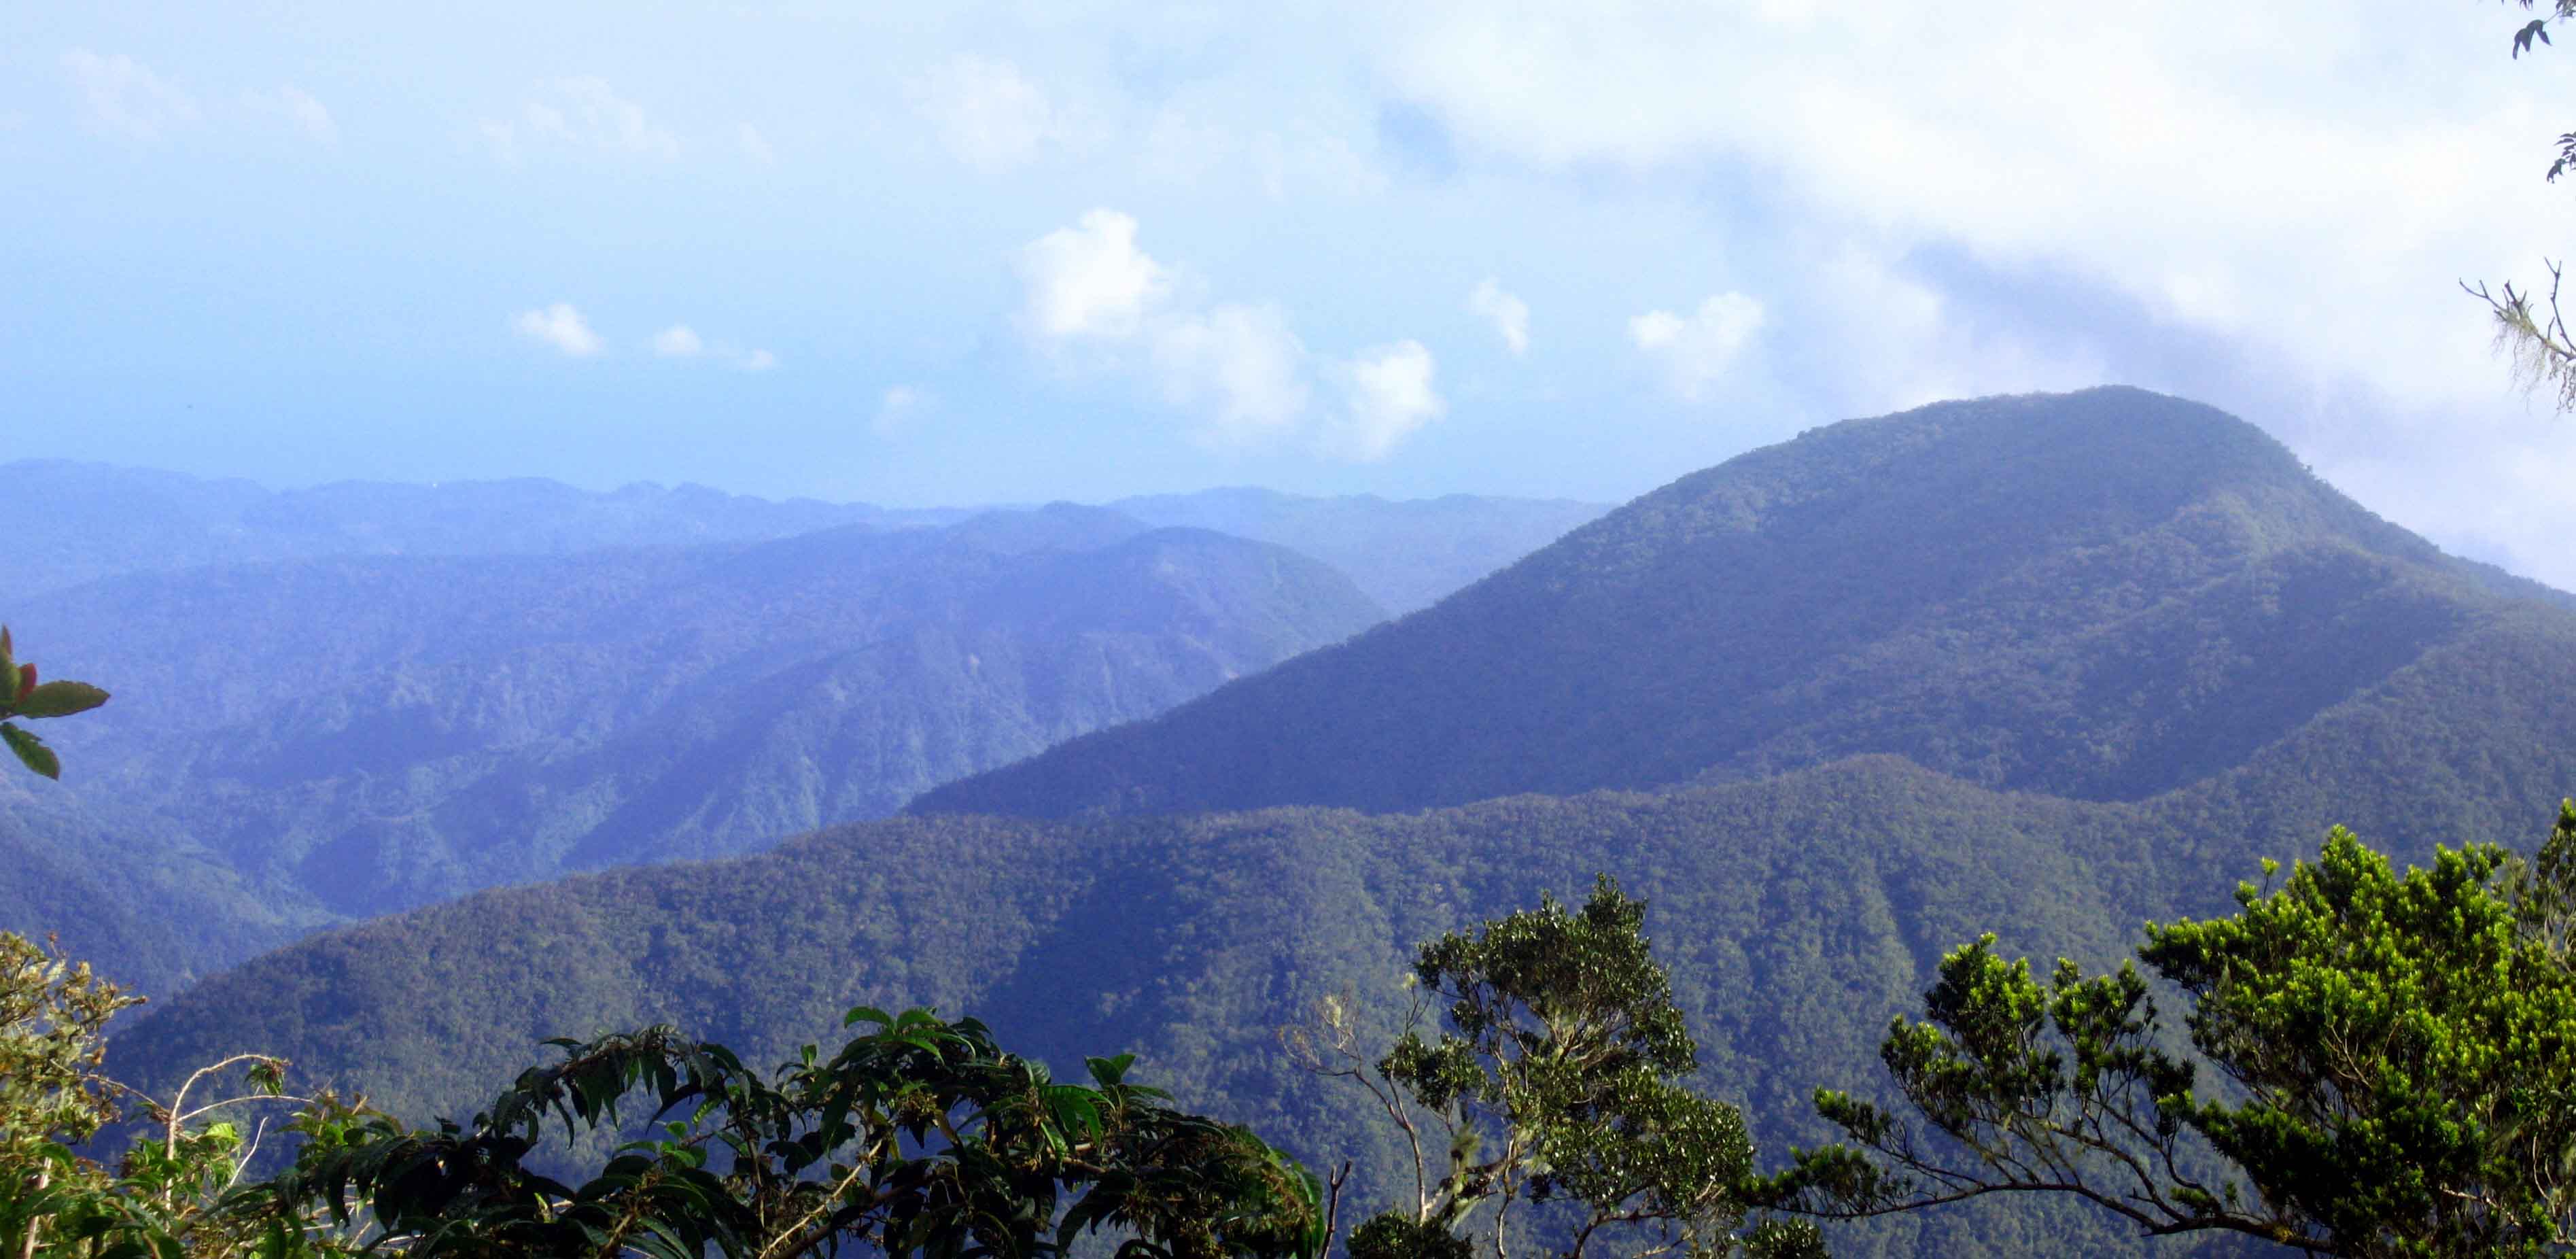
(941, 254)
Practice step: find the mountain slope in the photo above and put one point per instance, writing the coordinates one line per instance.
(351, 736)
(2104, 595)
(1796, 915)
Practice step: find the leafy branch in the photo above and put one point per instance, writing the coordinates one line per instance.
(2399, 1055)
(22, 696)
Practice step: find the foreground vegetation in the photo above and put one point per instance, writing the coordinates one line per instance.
(1553, 1076)
(2397, 1055)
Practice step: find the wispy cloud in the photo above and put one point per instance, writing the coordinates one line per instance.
(585, 113)
(899, 409)
(755, 145)
(1239, 367)
(560, 326)
(300, 110)
(125, 97)
(1509, 314)
(990, 116)
(1696, 349)
(681, 341)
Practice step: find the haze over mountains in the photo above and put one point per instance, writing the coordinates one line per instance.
(83, 521)
(438, 690)
(2049, 666)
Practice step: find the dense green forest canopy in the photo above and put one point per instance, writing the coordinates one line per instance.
(341, 737)
(2379, 1064)
(1962, 585)
(1797, 915)
(917, 1137)
(2396, 1051)
(361, 697)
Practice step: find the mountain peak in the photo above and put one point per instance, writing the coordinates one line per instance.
(2103, 594)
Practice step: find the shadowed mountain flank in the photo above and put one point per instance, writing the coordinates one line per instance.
(2104, 595)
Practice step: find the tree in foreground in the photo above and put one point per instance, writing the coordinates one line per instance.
(921, 1137)
(53, 1097)
(2397, 1055)
(1555, 1080)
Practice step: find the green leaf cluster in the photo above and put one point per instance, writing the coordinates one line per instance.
(21, 695)
(2394, 1053)
(53, 1096)
(919, 1137)
(1555, 1080)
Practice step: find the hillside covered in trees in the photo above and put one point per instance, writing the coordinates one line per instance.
(1831, 709)
(350, 736)
(2104, 595)
(361, 697)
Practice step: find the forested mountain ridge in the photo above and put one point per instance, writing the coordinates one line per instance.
(84, 521)
(2106, 595)
(354, 735)
(1793, 913)
(1796, 915)
(81, 522)
(2223, 654)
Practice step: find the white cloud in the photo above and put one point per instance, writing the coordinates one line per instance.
(1920, 346)
(1237, 368)
(560, 326)
(124, 96)
(1391, 396)
(989, 115)
(2171, 153)
(1090, 280)
(1240, 367)
(300, 108)
(899, 408)
(682, 341)
(581, 112)
(1696, 350)
(755, 145)
(1508, 314)
(613, 121)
